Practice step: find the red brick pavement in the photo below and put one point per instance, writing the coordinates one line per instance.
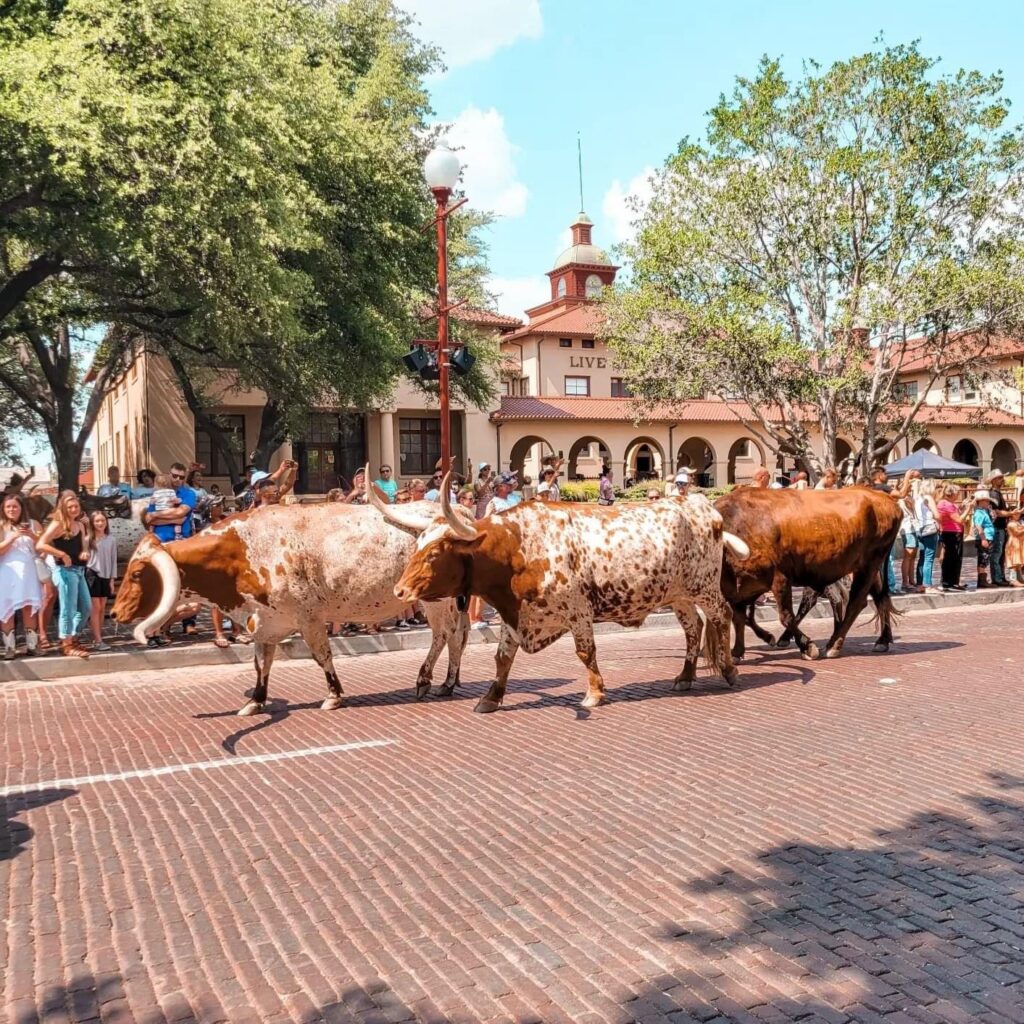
(833, 841)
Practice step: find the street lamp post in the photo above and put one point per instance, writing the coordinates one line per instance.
(441, 170)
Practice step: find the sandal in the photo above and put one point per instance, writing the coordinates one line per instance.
(70, 649)
(221, 641)
(243, 638)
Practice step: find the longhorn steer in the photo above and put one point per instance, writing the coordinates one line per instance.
(810, 539)
(285, 568)
(555, 568)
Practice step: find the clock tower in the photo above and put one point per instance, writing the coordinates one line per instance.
(582, 270)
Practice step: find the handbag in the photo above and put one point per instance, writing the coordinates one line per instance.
(43, 571)
(928, 529)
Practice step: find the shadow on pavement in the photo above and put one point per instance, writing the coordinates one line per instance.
(15, 835)
(932, 916)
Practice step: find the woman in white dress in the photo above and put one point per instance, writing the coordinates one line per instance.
(20, 589)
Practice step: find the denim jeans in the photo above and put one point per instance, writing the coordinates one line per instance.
(75, 603)
(890, 569)
(926, 560)
(996, 557)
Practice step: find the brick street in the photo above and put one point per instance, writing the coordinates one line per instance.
(833, 841)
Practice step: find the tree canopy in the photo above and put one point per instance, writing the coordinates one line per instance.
(827, 232)
(237, 182)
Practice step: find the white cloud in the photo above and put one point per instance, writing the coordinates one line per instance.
(467, 33)
(488, 158)
(516, 294)
(617, 205)
(564, 241)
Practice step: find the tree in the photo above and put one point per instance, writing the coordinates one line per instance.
(236, 184)
(828, 233)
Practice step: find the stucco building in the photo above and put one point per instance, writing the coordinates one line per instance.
(561, 395)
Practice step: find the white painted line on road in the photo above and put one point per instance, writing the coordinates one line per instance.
(197, 766)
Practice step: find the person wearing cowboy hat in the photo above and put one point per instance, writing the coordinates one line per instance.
(1000, 517)
(984, 533)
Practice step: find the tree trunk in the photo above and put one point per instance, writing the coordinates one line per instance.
(65, 444)
(271, 435)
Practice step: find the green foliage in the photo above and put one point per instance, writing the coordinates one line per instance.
(872, 199)
(587, 490)
(237, 182)
(579, 490)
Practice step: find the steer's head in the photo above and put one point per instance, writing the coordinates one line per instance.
(149, 590)
(442, 568)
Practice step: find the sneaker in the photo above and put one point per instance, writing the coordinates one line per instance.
(101, 646)
(157, 641)
(403, 626)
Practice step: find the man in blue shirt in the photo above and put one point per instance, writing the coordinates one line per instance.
(163, 523)
(387, 483)
(115, 486)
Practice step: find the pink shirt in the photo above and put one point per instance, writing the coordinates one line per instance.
(947, 524)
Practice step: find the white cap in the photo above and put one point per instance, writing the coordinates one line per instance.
(682, 478)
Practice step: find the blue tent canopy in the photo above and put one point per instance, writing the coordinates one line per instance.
(931, 465)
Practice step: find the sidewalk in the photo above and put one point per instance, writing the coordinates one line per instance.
(200, 652)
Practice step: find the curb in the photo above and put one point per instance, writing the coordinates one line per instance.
(55, 668)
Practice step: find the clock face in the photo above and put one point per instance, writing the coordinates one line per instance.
(594, 286)
(560, 291)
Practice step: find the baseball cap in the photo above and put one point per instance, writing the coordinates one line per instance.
(682, 478)
(258, 476)
(507, 478)
(484, 465)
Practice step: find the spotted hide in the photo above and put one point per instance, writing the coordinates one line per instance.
(555, 568)
(282, 568)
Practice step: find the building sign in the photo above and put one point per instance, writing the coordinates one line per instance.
(597, 362)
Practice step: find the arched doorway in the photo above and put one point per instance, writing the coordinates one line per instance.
(645, 459)
(966, 451)
(745, 455)
(526, 455)
(1005, 456)
(696, 455)
(926, 444)
(587, 457)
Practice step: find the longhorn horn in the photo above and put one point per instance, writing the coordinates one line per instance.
(171, 587)
(407, 519)
(458, 525)
(735, 544)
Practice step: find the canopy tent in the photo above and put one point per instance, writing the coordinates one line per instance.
(931, 465)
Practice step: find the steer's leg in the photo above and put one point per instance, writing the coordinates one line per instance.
(691, 623)
(758, 630)
(863, 580)
(783, 591)
(508, 644)
(886, 612)
(263, 657)
(807, 601)
(319, 644)
(586, 651)
(741, 613)
(716, 634)
(440, 618)
(457, 640)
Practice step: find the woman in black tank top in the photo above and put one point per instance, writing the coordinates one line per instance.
(67, 540)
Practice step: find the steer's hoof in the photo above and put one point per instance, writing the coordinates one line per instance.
(331, 703)
(781, 645)
(732, 678)
(680, 685)
(590, 701)
(254, 707)
(811, 652)
(833, 652)
(422, 690)
(880, 648)
(485, 707)
(771, 641)
(445, 689)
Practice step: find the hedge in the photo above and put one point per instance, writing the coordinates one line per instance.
(587, 490)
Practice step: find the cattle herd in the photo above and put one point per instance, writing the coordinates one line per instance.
(547, 568)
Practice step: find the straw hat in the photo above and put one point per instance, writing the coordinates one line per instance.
(982, 494)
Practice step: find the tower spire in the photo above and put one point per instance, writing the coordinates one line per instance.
(579, 165)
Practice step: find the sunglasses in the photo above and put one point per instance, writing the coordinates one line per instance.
(177, 476)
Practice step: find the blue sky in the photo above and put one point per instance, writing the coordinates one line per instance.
(633, 78)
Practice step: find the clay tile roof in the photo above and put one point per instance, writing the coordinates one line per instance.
(617, 409)
(564, 321)
(712, 410)
(484, 317)
(917, 357)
